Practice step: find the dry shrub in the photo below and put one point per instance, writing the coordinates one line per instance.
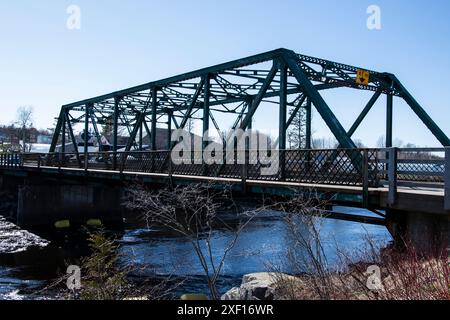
(193, 212)
(406, 275)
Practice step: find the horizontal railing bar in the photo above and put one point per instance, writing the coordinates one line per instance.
(421, 149)
(381, 150)
(414, 173)
(328, 166)
(415, 161)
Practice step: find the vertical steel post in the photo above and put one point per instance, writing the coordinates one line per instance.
(63, 139)
(283, 118)
(206, 107)
(392, 176)
(86, 140)
(169, 129)
(365, 172)
(141, 135)
(154, 117)
(153, 130)
(206, 112)
(447, 178)
(244, 174)
(283, 107)
(308, 145)
(115, 130)
(389, 120)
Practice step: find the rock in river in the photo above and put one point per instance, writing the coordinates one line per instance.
(257, 286)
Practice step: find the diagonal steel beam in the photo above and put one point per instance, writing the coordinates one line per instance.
(364, 113)
(58, 128)
(259, 58)
(193, 103)
(137, 126)
(322, 107)
(174, 119)
(421, 113)
(72, 137)
(296, 110)
(94, 124)
(259, 97)
(147, 129)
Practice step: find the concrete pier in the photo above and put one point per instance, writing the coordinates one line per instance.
(44, 205)
(429, 233)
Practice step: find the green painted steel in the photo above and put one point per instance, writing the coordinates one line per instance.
(364, 113)
(237, 87)
(389, 120)
(308, 125)
(322, 107)
(422, 114)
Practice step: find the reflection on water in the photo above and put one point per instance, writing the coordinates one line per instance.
(153, 252)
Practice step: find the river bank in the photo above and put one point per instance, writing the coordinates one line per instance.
(395, 277)
(154, 254)
(14, 240)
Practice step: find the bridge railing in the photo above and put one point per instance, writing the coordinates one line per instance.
(10, 160)
(338, 167)
(418, 166)
(366, 167)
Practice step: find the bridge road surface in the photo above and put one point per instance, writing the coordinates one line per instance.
(409, 198)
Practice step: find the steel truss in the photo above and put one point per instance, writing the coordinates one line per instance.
(237, 87)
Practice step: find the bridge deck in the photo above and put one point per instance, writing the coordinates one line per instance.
(408, 198)
(380, 179)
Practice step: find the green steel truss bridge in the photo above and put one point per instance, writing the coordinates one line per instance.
(408, 189)
(291, 81)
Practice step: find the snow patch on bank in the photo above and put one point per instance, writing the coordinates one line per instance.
(15, 240)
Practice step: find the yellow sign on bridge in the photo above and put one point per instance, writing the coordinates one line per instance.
(362, 77)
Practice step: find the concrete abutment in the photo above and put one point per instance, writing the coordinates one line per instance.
(41, 206)
(428, 233)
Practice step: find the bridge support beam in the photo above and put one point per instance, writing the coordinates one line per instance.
(116, 129)
(427, 233)
(322, 107)
(154, 118)
(41, 206)
(447, 180)
(86, 135)
(283, 118)
(206, 108)
(63, 138)
(421, 113)
(308, 144)
(389, 120)
(169, 130)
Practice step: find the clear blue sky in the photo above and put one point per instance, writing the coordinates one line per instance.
(125, 43)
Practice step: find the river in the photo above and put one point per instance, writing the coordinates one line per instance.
(154, 253)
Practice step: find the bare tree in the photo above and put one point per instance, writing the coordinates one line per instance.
(194, 212)
(191, 125)
(324, 143)
(25, 122)
(297, 133)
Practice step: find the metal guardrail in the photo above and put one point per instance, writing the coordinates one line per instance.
(338, 167)
(394, 167)
(11, 160)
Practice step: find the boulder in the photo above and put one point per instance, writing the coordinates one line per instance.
(256, 286)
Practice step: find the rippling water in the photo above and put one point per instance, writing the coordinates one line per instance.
(156, 253)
